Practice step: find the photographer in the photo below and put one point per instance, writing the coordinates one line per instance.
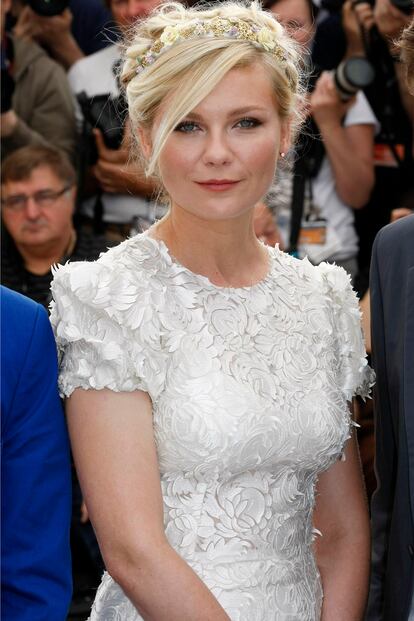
(332, 175)
(368, 29)
(36, 102)
(67, 29)
(116, 192)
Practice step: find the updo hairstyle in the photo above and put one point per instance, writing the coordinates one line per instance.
(189, 69)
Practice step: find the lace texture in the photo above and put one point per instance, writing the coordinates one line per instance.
(249, 389)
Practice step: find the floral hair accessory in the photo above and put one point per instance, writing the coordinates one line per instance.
(218, 28)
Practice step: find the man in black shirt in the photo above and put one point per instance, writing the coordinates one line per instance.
(38, 202)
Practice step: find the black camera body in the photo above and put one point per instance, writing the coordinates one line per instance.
(48, 8)
(105, 113)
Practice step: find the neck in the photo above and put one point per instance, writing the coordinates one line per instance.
(226, 251)
(39, 258)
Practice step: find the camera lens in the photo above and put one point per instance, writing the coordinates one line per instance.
(352, 75)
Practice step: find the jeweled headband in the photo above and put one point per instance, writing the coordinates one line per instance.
(216, 28)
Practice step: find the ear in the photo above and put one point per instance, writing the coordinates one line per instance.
(285, 136)
(145, 142)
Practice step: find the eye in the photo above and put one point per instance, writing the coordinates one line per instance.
(293, 25)
(248, 123)
(188, 127)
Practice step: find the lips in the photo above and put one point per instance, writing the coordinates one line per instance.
(218, 185)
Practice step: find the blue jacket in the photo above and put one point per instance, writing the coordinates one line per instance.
(35, 479)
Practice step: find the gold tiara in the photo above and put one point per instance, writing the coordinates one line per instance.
(217, 28)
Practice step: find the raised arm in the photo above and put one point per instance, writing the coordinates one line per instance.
(350, 149)
(114, 451)
(342, 552)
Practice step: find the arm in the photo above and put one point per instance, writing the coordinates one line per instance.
(355, 18)
(114, 450)
(52, 120)
(349, 149)
(342, 553)
(36, 488)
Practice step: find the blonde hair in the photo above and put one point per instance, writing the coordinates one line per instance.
(187, 71)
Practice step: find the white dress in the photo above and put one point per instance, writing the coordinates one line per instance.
(249, 389)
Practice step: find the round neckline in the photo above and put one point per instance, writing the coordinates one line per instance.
(162, 245)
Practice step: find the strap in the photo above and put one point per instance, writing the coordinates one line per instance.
(298, 200)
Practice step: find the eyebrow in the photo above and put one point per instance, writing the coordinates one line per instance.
(236, 112)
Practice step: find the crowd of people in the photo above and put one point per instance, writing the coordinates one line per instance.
(111, 114)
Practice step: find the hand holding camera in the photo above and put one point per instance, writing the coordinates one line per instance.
(50, 29)
(326, 106)
(114, 170)
(389, 16)
(45, 30)
(392, 17)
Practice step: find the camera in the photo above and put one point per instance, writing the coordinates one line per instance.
(352, 75)
(48, 8)
(105, 113)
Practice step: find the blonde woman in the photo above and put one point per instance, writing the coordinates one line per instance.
(208, 375)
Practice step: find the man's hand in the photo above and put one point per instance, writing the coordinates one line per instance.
(53, 32)
(8, 123)
(45, 30)
(354, 18)
(116, 174)
(326, 106)
(389, 20)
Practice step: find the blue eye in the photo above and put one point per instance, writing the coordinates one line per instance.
(186, 126)
(248, 123)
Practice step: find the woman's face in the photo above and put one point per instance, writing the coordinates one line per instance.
(296, 17)
(220, 159)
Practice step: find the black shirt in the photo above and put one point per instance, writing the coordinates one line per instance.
(14, 275)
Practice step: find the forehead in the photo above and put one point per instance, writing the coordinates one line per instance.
(288, 10)
(242, 87)
(41, 177)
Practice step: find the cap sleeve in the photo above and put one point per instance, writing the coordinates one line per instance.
(354, 376)
(105, 330)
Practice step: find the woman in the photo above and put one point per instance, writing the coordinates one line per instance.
(208, 374)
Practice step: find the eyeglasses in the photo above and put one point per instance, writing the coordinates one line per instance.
(43, 199)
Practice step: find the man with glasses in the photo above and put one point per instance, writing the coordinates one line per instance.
(37, 206)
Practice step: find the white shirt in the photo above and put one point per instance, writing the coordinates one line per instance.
(94, 74)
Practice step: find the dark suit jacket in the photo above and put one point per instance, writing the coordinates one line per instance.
(392, 317)
(35, 478)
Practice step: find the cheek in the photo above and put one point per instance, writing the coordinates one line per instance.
(12, 224)
(262, 159)
(174, 165)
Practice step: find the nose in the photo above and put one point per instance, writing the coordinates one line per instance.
(217, 150)
(32, 210)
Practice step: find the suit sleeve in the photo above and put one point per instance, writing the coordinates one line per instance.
(36, 496)
(382, 502)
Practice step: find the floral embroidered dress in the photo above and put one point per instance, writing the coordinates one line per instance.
(249, 389)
